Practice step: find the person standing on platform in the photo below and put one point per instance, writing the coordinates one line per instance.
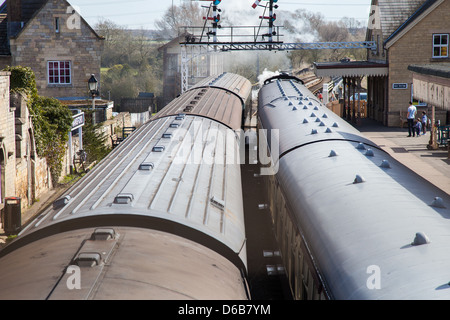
(424, 122)
(412, 110)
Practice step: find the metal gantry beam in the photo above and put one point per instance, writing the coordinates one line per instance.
(268, 46)
(280, 46)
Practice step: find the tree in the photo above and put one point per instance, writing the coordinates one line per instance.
(131, 62)
(117, 45)
(187, 14)
(52, 120)
(305, 26)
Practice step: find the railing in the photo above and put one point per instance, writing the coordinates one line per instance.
(443, 135)
(228, 35)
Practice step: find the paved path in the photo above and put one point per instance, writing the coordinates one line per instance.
(433, 165)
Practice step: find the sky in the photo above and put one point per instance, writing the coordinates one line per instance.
(137, 14)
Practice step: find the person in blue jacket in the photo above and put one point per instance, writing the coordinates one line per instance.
(418, 127)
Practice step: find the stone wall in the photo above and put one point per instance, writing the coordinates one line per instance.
(32, 177)
(7, 141)
(114, 126)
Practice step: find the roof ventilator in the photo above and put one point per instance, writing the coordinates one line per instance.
(438, 203)
(103, 234)
(61, 202)
(420, 239)
(314, 131)
(369, 153)
(146, 166)
(167, 135)
(180, 116)
(174, 125)
(123, 198)
(88, 259)
(328, 130)
(218, 203)
(305, 121)
(385, 164)
(359, 179)
(333, 154)
(361, 146)
(158, 148)
(335, 125)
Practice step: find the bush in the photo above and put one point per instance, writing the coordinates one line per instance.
(52, 120)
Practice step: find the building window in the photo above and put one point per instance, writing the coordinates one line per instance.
(59, 72)
(57, 25)
(440, 45)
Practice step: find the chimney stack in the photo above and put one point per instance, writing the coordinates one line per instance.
(14, 8)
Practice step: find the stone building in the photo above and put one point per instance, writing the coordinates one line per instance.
(201, 64)
(408, 32)
(51, 38)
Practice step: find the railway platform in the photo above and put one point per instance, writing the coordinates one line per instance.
(432, 165)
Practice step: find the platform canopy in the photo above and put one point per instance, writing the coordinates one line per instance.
(351, 69)
(432, 83)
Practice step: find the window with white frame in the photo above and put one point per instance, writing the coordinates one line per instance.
(59, 72)
(440, 45)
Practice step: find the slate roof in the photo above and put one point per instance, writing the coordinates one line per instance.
(393, 14)
(424, 7)
(4, 48)
(439, 70)
(29, 9)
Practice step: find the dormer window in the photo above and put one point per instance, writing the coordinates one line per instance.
(440, 45)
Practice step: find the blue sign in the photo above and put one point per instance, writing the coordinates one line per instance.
(78, 121)
(397, 86)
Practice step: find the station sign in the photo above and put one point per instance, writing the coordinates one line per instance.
(78, 121)
(400, 86)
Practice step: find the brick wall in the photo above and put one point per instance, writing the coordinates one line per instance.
(415, 47)
(39, 42)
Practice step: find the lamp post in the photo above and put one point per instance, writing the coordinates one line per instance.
(93, 89)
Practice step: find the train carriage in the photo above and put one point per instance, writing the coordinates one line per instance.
(161, 217)
(352, 222)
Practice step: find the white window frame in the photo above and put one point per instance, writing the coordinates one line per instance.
(440, 45)
(59, 68)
